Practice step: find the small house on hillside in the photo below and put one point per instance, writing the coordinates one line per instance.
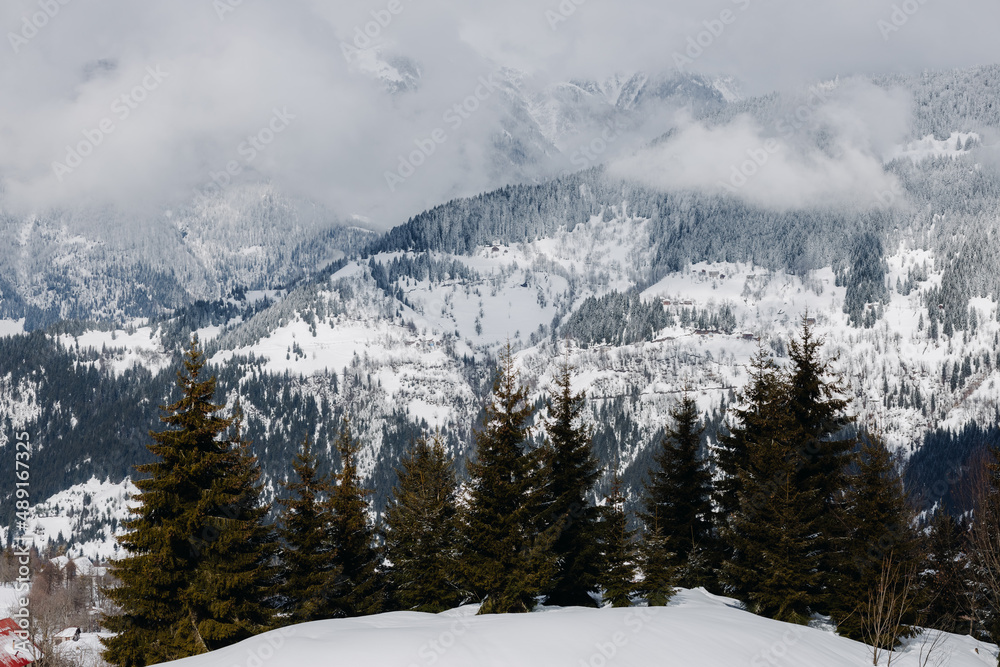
(67, 635)
(12, 647)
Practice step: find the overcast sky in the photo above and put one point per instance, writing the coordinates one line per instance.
(214, 72)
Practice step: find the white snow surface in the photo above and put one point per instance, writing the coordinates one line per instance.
(122, 350)
(696, 630)
(11, 327)
(85, 652)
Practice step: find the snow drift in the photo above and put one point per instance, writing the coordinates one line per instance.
(697, 630)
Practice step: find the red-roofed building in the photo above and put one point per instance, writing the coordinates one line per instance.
(14, 650)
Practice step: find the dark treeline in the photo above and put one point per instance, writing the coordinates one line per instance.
(787, 514)
(616, 319)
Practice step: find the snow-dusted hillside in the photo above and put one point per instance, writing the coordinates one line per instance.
(645, 288)
(896, 374)
(88, 516)
(413, 334)
(102, 262)
(696, 630)
(106, 262)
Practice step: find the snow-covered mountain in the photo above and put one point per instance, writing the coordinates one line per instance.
(644, 285)
(544, 128)
(100, 261)
(106, 263)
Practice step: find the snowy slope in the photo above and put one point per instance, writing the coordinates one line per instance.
(85, 515)
(696, 630)
(412, 352)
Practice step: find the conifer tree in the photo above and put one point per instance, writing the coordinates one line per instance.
(196, 575)
(235, 583)
(818, 412)
(748, 417)
(985, 546)
(732, 454)
(422, 530)
(569, 471)
(506, 563)
(879, 526)
(944, 576)
(359, 589)
(620, 553)
(773, 566)
(308, 564)
(678, 497)
(658, 574)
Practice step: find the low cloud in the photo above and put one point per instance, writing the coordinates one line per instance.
(230, 64)
(823, 148)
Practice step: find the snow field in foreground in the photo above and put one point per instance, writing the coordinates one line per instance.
(696, 630)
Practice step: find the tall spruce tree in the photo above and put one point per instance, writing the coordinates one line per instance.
(196, 576)
(818, 411)
(234, 588)
(359, 587)
(620, 555)
(747, 418)
(879, 526)
(772, 536)
(678, 498)
(732, 454)
(506, 563)
(569, 471)
(308, 564)
(422, 530)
